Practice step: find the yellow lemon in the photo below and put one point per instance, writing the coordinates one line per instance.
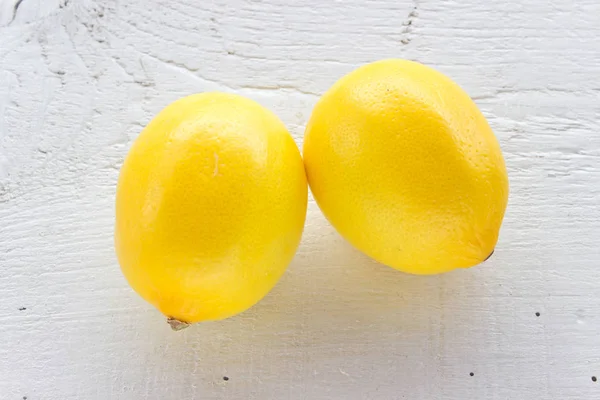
(405, 166)
(210, 207)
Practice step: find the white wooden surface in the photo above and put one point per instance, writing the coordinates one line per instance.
(79, 79)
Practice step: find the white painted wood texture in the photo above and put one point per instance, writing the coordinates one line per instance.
(79, 79)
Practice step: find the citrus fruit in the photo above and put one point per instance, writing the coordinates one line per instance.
(405, 166)
(210, 207)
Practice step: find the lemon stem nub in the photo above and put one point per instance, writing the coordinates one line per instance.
(176, 324)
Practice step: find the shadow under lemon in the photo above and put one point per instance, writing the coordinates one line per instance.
(332, 290)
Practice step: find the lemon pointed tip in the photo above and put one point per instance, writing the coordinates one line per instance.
(176, 324)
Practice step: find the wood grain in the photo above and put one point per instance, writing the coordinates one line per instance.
(80, 78)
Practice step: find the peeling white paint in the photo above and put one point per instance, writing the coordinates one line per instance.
(80, 78)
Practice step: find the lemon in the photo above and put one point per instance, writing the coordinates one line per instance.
(210, 207)
(405, 166)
